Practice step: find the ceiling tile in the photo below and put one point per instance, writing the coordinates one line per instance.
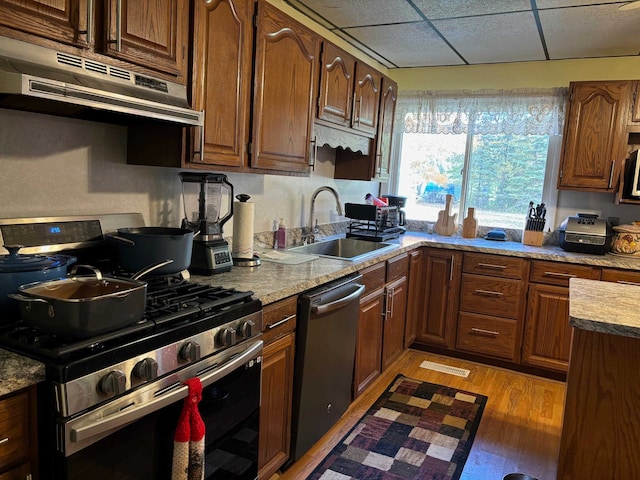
(437, 9)
(573, 3)
(372, 12)
(509, 37)
(408, 45)
(594, 31)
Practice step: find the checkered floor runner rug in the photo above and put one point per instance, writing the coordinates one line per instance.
(415, 430)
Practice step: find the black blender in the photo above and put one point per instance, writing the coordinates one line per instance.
(211, 252)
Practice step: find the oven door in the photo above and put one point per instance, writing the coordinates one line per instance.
(132, 439)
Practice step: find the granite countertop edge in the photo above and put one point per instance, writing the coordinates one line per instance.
(272, 282)
(604, 307)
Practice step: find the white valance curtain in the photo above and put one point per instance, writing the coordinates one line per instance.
(519, 112)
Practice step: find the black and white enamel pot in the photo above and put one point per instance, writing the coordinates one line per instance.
(142, 246)
(18, 269)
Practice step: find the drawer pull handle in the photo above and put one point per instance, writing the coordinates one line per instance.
(628, 283)
(482, 331)
(491, 265)
(4, 440)
(489, 292)
(284, 320)
(558, 274)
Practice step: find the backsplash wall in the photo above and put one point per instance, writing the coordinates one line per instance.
(60, 166)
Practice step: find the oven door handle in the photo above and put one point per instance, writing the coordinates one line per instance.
(131, 414)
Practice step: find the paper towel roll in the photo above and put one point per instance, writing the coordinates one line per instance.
(242, 243)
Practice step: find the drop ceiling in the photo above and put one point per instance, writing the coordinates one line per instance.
(428, 33)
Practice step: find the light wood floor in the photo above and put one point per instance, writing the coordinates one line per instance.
(519, 431)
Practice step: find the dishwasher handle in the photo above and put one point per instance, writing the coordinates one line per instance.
(341, 302)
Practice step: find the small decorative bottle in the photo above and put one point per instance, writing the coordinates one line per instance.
(282, 234)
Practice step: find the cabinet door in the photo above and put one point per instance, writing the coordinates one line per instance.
(63, 21)
(547, 336)
(394, 321)
(150, 33)
(414, 296)
(594, 142)
(222, 62)
(366, 99)
(275, 405)
(439, 299)
(337, 70)
(285, 74)
(368, 360)
(388, 98)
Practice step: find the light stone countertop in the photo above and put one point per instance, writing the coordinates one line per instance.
(271, 282)
(18, 372)
(604, 307)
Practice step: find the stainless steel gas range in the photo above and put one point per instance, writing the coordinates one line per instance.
(111, 403)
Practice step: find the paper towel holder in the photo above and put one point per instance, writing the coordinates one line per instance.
(245, 262)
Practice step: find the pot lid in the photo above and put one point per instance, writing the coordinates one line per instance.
(25, 263)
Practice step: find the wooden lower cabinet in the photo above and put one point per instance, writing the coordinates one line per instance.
(600, 435)
(394, 321)
(18, 437)
(368, 363)
(438, 299)
(547, 334)
(414, 296)
(277, 386)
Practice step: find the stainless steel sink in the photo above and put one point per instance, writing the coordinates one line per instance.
(350, 249)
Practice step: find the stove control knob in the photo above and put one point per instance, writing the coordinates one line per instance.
(247, 329)
(227, 337)
(113, 383)
(146, 369)
(190, 352)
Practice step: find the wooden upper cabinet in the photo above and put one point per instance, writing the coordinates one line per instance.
(285, 76)
(151, 33)
(388, 99)
(366, 99)
(594, 144)
(58, 20)
(222, 64)
(337, 72)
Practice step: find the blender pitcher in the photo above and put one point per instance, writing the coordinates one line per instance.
(208, 205)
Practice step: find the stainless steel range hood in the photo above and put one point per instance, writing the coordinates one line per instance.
(43, 80)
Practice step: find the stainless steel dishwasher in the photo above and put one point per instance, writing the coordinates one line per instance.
(325, 352)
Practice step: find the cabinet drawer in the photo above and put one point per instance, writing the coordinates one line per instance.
(373, 277)
(397, 267)
(501, 297)
(14, 429)
(487, 335)
(621, 276)
(555, 273)
(279, 319)
(494, 265)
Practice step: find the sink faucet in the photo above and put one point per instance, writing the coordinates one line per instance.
(313, 230)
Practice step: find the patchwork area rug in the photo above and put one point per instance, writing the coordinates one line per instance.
(415, 430)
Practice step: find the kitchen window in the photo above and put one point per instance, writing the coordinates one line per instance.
(494, 151)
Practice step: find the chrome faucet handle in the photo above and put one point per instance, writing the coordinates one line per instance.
(316, 228)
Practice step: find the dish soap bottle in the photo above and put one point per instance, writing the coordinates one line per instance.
(282, 234)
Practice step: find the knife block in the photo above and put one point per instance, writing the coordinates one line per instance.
(529, 237)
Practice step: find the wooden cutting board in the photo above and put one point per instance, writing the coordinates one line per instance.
(470, 224)
(446, 224)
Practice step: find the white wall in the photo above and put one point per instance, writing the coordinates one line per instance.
(59, 166)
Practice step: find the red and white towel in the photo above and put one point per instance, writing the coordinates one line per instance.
(188, 441)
